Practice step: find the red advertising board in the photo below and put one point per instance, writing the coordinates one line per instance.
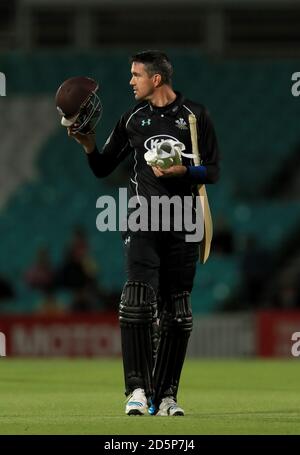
(96, 335)
(274, 334)
(75, 335)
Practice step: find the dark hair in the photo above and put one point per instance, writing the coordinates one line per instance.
(156, 62)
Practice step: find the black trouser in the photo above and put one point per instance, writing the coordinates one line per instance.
(160, 270)
(162, 259)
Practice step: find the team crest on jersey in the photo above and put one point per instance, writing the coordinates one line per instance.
(181, 124)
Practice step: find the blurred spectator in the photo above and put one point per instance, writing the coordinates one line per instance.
(223, 242)
(40, 275)
(71, 274)
(81, 249)
(78, 269)
(79, 273)
(6, 290)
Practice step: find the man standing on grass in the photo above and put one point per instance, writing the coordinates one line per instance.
(155, 311)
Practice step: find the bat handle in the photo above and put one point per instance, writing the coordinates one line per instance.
(192, 119)
(194, 138)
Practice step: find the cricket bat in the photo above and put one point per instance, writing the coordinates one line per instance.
(207, 219)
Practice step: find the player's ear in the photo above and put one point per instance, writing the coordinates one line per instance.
(156, 80)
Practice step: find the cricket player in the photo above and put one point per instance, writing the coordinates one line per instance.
(155, 311)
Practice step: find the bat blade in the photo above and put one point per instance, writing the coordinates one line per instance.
(208, 225)
(205, 243)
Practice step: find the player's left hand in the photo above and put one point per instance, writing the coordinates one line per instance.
(173, 171)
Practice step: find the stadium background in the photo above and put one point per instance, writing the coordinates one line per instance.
(237, 58)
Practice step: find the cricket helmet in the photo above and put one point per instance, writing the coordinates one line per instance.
(78, 104)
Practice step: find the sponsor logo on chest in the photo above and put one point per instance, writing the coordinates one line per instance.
(153, 141)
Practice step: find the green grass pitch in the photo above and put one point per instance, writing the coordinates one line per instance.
(86, 397)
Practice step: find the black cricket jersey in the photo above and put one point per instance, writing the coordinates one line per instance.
(143, 127)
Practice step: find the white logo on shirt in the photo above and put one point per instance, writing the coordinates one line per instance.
(127, 240)
(153, 141)
(181, 123)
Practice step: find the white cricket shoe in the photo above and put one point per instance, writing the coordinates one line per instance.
(169, 407)
(137, 403)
